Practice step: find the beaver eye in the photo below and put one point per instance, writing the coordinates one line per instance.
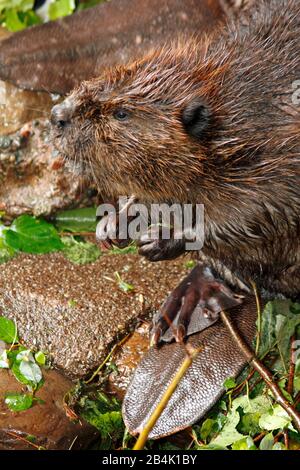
(121, 114)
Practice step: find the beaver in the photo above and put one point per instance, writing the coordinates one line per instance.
(206, 120)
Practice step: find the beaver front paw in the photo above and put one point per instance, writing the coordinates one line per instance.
(194, 305)
(109, 233)
(154, 248)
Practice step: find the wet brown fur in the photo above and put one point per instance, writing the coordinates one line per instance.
(246, 167)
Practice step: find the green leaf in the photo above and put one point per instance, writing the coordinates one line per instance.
(13, 21)
(105, 414)
(32, 235)
(228, 434)
(31, 371)
(25, 355)
(76, 220)
(229, 383)
(278, 446)
(8, 330)
(210, 447)
(18, 401)
(275, 418)
(208, 427)
(60, 8)
(280, 319)
(80, 252)
(260, 404)
(190, 264)
(22, 5)
(40, 358)
(131, 249)
(124, 286)
(244, 444)
(4, 360)
(168, 446)
(6, 252)
(28, 373)
(89, 4)
(267, 442)
(249, 424)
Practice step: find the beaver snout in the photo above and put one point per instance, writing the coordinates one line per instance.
(61, 114)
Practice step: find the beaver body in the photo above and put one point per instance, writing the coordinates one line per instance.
(211, 121)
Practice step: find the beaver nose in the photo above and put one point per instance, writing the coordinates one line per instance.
(61, 115)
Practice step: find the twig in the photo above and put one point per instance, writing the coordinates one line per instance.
(262, 370)
(286, 438)
(297, 400)
(290, 385)
(258, 308)
(293, 350)
(260, 436)
(23, 439)
(106, 359)
(75, 234)
(165, 398)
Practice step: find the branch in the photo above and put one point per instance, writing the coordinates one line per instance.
(262, 370)
(191, 354)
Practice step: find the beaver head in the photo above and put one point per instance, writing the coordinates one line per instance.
(145, 128)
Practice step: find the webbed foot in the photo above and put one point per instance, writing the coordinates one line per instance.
(193, 305)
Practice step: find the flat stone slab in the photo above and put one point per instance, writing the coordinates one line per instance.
(32, 179)
(75, 313)
(46, 422)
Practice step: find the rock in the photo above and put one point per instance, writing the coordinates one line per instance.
(47, 423)
(126, 359)
(58, 55)
(20, 106)
(32, 179)
(75, 313)
(4, 33)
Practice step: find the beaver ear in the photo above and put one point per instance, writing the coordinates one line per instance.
(196, 118)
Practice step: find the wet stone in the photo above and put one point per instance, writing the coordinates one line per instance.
(76, 313)
(45, 424)
(33, 179)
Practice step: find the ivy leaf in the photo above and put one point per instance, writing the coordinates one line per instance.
(105, 414)
(210, 447)
(76, 220)
(60, 8)
(4, 360)
(80, 252)
(275, 418)
(25, 355)
(278, 446)
(12, 20)
(280, 319)
(228, 434)
(31, 371)
(260, 404)
(229, 384)
(244, 444)
(190, 264)
(124, 286)
(32, 235)
(8, 330)
(28, 373)
(5, 251)
(249, 424)
(209, 426)
(267, 442)
(131, 249)
(18, 401)
(40, 358)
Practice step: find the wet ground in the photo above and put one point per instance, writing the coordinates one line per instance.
(75, 313)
